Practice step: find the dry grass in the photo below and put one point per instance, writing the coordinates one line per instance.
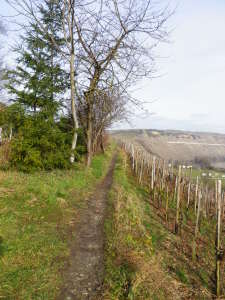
(144, 259)
(133, 271)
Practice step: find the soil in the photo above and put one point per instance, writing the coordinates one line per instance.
(83, 278)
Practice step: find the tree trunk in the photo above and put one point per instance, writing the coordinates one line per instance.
(89, 136)
(52, 74)
(10, 132)
(102, 143)
(73, 107)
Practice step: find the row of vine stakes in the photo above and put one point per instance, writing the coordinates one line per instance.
(176, 183)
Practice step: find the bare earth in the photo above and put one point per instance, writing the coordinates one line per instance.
(84, 276)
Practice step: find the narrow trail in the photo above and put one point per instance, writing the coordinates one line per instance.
(84, 276)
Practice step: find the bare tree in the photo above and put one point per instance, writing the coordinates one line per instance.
(68, 29)
(115, 43)
(109, 107)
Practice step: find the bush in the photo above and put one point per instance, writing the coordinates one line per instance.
(40, 145)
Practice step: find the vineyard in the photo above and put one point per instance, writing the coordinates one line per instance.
(190, 206)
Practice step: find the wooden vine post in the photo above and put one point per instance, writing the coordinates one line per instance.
(153, 173)
(163, 174)
(132, 156)
(167, 202)
(196, 226)
(188, 198)
(196, 194)
(175, 189)
(136, 162)
(189, 187)
(218, 232)
(141, 171)
(178, 201)
(216, 195)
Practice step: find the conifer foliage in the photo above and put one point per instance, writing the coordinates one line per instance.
(38, 82)
(37, 87)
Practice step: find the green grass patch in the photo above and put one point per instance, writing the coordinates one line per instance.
(37, 216)
(181, 274)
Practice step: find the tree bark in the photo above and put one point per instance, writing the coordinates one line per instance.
(102, 143)
(73, 106)
(89, 135)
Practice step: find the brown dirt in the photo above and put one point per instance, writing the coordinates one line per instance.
(83, 278)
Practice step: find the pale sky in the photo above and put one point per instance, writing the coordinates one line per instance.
(190, 93)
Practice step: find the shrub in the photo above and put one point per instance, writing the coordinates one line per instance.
(39, 145)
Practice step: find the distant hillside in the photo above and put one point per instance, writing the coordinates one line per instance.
(205, 149)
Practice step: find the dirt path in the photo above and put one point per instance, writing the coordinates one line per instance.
(84, 276)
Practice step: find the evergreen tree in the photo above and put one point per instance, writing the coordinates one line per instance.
(39, 81)
(38, 85)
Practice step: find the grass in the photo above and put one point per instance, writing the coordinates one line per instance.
(181, 274)
(133, 271)
(37, 216)
(144, 258)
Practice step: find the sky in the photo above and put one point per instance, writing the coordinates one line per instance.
(189, 93)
